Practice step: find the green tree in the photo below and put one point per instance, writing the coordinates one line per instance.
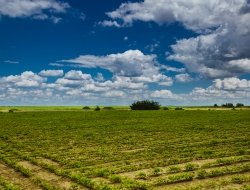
(145, 105)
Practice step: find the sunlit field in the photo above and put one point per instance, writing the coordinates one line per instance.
(188, 149)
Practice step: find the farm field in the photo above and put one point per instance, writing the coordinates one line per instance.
(192, 149)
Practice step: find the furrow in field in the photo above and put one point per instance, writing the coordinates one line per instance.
(232, 181)
(199, 175)
(45, 175)
(17, 178)
(194, 165)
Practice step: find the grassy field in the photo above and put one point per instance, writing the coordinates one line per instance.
(125, 150)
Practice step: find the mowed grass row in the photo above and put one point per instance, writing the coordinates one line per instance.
(126, 149)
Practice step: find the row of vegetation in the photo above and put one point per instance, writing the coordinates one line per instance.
(230, 105)
(133, 150)
(153, 105)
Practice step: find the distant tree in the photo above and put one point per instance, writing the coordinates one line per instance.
(145, 105)
(97, 108)
(86, 108)
(108, 108)
(178, 108)
(165, 108)
(216, 105)
(239, 105)
(227, 105)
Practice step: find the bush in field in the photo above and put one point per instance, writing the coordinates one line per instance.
(12, 110)
(86, 108)
(179, 109)
(227, 105)
(238, 105)
(216, 105)
(165, 108)
(145, 105)
(108, 108)
(97, 108)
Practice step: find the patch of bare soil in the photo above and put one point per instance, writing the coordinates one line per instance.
(52, 178)
(14, 177)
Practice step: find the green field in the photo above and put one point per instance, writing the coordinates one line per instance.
(125, 150)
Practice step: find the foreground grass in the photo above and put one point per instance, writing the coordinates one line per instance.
(126, 149)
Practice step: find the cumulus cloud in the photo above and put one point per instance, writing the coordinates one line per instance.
(162, 94)
(183, 78)
(222, 90)
(39, 9)
(129, 63)
(76, 87)
(132, 66)
(221, 48)
(77, 75)
(51, 73)
(114, 94)
(172, 69)
(231, 84)
(26, 79)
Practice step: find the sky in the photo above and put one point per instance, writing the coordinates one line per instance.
(176, 52)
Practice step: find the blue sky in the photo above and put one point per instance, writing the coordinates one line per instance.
(87, 53)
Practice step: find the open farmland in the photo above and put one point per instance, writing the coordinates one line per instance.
(125, 150)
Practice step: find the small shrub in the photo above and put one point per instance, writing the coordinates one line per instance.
(179, 108)
(201, 174)
(227, 105)
(145, 105)
(165, 108)
(115, 179)
(141, 175)
(237, 180)
(97, 108)
(86, 108)
(238, 105)
(12, 110)
(189, 167)
(241, 152)
(108, 108)
(103, 173)
(174, 169)
(156, 171)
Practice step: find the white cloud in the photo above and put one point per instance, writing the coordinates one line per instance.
(77, 88)
(114, 94)
(77, 75)
(26, 79)
(132, 66)
(172, 69)
(99, 77)
(194, 14)
(221, 91)
(51, 73)
(129, 63)
(153, 47)
(221, 48)
(38, 9)
(183, 78)
(109, 23)
(162, 94)
(11, 62)
(231, 84)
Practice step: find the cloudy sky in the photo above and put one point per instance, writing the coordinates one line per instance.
(177, 52)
